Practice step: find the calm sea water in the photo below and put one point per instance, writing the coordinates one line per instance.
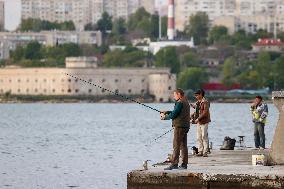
(93, 146)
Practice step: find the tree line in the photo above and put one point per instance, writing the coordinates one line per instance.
(37, 25)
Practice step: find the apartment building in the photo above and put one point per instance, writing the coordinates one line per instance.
(251, 24)
(10, 40)
(2, 15)
(81, 12)
(249, 15)
(58, 10)
(214, 9)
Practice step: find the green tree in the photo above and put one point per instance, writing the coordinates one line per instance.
(145, 26)
(130, 57)
(198, 27)
(217, 33)
(114, 59)
(229, 71)
(90, 27)
(139, 16)
(192, 78)
(250, 79)
(280, 35)
(67, 25)
(2, 63)
(262, 34)
(30, 63)
(18, 54)
(105, 23)
(71, 49)
(241, 40)
(37, 25)
(278, 74)
(164, 27)
(30, 24)
(167, 57)
(190, 59)
(119, 26)
(263, 67)
(36, 55)
(33, 51)
(154, 27)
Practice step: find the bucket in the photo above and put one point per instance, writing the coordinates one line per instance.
(258, 160)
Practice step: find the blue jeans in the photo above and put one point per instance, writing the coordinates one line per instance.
(259, 136)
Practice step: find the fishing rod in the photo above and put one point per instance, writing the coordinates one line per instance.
(122, 96)
(163, 135)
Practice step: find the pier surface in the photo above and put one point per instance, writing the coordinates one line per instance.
(222, 169)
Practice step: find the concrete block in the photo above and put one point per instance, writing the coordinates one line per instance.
(277, 149)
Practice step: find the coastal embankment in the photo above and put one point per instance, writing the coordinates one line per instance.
(221, 170)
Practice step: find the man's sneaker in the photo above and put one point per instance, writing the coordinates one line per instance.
(171, 167)
(199, 154)
(261, 148)
(205, 155)
(182, 166)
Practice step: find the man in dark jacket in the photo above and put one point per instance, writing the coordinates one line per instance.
(180, 117)
(202, 119)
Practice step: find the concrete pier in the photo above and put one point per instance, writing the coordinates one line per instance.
(277, 152)
(222, 169)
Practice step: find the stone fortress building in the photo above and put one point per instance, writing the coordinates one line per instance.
(54, 81)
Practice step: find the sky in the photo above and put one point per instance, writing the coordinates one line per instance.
(13, 13)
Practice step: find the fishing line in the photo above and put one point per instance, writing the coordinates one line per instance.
(130, 99)
(163, 135)
(157, 138)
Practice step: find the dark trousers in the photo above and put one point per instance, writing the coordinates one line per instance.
(180, 145)
(259, 136)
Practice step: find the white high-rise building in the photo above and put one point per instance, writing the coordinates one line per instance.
(226, 8)
(214, 8)
(77, 11)
(81, 12)
(2, 15)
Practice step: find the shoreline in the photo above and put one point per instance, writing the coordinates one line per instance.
(70, 101)
(14, 99)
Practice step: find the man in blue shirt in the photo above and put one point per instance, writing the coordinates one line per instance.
(180, 117)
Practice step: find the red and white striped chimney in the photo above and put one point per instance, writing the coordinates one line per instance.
(171, 20)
